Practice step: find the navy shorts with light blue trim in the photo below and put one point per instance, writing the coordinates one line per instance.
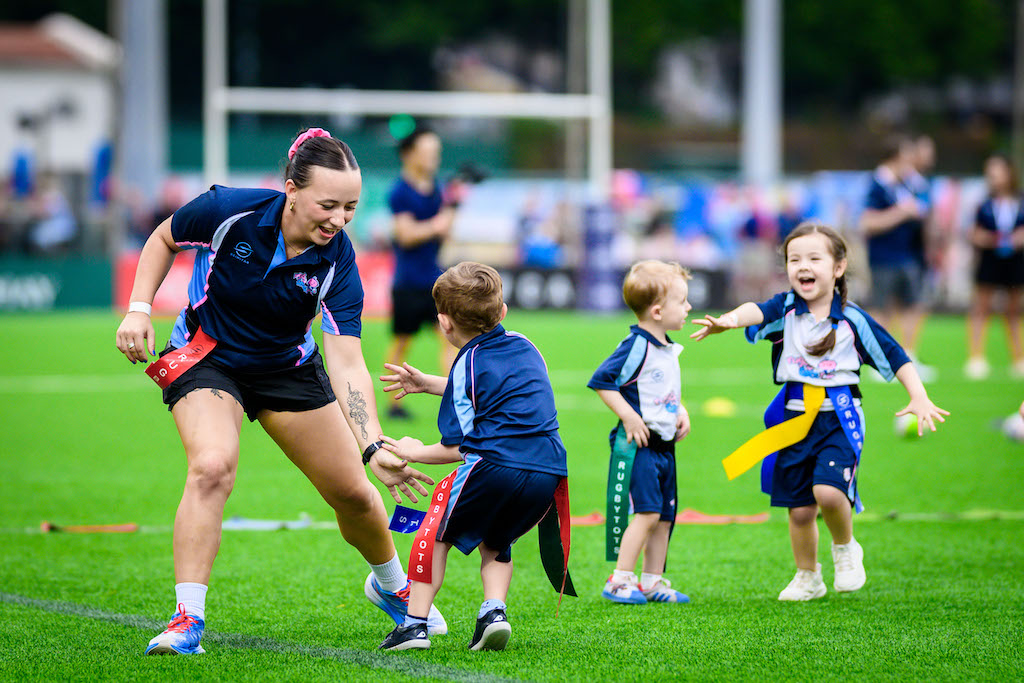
(652, 485)
(494, 505)
(824, 456)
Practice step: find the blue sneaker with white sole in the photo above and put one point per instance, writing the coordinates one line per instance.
(396, 605)
(181, 637)
(624, 592)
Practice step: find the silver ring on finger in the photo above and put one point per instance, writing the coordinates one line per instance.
(131, 345)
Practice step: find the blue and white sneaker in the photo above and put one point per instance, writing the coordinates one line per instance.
(663, 591)
(181, 637)
(625, 592)
(396, 605)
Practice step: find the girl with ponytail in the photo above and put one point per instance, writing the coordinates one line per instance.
(820, 340)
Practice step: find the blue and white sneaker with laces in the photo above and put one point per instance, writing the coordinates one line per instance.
(625, 592)
(396, 605)
(662, 591)
(181, 637)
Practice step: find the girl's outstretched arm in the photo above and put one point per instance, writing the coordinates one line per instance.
(920, 405)
(743, 315)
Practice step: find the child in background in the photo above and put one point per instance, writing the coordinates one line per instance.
(820, 340)
(640, 383)
(498, 419)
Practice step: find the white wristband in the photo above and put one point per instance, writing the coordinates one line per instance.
(140, 307)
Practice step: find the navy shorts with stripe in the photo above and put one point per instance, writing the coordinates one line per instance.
(652, 484)
(824, 456)
(494, 505)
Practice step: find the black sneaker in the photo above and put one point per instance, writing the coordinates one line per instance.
(492, 631)
(398, 412)
(412, 637)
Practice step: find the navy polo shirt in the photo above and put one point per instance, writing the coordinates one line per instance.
(1001, 217)
(499, 404)
(415, 267)
(244, 293)
(904, 244)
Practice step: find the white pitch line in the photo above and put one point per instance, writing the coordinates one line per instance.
(370, 659)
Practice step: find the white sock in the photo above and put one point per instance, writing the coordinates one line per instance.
(390, 575)
(647, 581)
(193, 597)
(623, 576)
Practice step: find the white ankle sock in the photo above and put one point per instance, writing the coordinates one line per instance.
(193, 597)
(390, 575)
(621, 575)
(648, 581)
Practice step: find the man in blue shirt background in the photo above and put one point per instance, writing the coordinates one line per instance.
(423, 220)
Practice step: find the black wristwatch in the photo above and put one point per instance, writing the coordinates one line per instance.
(370, 450)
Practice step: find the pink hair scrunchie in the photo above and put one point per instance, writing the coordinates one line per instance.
(311, 133)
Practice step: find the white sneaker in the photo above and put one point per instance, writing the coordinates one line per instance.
(806, 585)
(1017, 369)
(976, 368)
(849, 563)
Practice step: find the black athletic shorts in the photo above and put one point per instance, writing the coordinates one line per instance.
(291, 389)
(411, 309)
(1000, 271)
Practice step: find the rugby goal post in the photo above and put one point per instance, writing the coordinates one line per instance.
(594, 106)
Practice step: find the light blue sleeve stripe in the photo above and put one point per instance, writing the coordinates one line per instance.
(463, 406)
(633, 360)
(764, 331)
(870, 342)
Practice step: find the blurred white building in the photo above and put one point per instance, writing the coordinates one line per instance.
(57, 93)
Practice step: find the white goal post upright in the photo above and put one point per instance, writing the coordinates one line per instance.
(220, 100)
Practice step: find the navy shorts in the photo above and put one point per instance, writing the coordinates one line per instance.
(999, 271)
(652, 485)
(290, 389)
(825, 456)
(411, 309)
(494, 505)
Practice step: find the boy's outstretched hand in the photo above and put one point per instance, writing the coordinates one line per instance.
(712, 325)
(404, 448)
(405, 380)
(926, 413)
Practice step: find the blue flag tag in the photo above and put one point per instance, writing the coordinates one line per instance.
(406, 520)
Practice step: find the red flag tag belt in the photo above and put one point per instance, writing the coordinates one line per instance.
(171, 366)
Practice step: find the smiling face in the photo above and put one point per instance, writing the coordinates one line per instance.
(321, 208)
(674, 308)
(811, 267)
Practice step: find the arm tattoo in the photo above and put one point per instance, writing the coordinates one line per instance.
(357, 409)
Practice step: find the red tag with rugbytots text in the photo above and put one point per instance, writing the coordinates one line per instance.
(173, 363)
(422, 555)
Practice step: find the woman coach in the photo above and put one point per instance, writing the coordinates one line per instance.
(267, 264)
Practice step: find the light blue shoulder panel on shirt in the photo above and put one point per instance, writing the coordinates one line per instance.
(636, 356)
(869, 341)
(463, 406)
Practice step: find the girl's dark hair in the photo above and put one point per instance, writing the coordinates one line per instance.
(409, 141)
(323, 151)
(837, 247)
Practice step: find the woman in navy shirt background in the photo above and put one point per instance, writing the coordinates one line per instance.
(998, 238)
(267, 264)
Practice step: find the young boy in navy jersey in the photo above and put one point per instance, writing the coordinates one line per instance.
(498, 419)
(640, 382)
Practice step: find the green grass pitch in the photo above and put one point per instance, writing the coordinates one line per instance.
(85, 440)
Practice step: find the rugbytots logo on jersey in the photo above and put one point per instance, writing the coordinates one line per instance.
(242, 252)
(309, 286)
